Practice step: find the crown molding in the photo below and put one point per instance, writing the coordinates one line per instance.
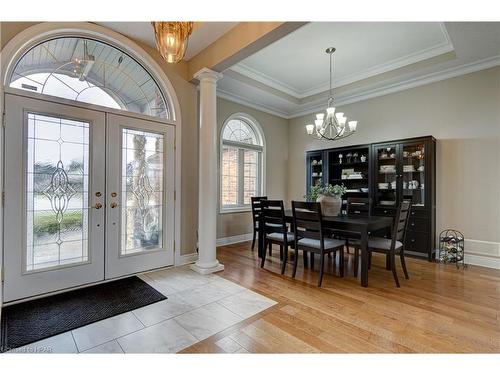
(249, 103)
(319, 103)
(274, 83)
(397, 63)
(400, 62)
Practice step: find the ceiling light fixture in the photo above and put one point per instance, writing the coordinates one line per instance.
(333, 126)
(172, 39)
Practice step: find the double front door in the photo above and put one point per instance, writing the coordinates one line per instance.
(89, 196)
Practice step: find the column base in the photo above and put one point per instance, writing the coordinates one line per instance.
(206, 271)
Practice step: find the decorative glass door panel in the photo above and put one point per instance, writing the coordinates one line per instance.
(413, 172)
(386, 188)
(57, 183)
(54, 175)
(142, 191)
(140, 195)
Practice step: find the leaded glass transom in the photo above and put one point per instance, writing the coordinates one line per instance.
(238, 130)
(89, 71)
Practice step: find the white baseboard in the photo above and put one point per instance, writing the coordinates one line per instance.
(234, 239)
(483, 261)
(181, 260)
(486, 248)
(482, 253)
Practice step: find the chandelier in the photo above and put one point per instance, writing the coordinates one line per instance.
(331, 125)
(172, 39)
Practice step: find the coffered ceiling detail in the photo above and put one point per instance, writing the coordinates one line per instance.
(290, 77)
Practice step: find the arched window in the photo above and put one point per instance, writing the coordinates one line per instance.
(90, 71)
(241, 162)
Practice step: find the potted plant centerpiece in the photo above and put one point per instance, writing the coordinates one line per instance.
(329, 196)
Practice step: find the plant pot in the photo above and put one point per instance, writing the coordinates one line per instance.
(330, 205)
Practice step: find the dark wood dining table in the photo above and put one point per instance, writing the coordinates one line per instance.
(357, 224)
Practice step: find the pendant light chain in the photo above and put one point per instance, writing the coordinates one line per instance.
(331, 74)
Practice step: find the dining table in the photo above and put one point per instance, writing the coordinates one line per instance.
(361, 225)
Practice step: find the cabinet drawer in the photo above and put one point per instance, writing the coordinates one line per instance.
(384, 212)
(417, 241)
(418, 224)
(419, 213)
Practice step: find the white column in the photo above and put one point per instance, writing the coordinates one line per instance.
(208, 176)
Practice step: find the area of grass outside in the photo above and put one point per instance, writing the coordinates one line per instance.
(45, 223)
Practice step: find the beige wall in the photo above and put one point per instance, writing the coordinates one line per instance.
(463, 115)
(276, 136)
(187, 96)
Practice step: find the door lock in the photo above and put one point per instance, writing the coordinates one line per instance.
(98, 194)
(113, 194)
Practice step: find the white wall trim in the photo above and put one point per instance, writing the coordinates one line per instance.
(232, 97)
(181, 260)
(483, 248)
(251, 73)
(384, 68)
(234, 239)
(401, 86)
(319, 104)
(408, 59)
(482, 253)
(483, 261)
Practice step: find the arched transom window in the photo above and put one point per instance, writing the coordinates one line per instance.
(89, 71)
(242, 148)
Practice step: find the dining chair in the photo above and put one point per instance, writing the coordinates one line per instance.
(310, 237)
(255, 201)
(276, 230)
(391, 246)
(356, 206)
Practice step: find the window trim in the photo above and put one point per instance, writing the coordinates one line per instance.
(254, 124)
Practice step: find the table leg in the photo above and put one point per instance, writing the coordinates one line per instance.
(364, 258)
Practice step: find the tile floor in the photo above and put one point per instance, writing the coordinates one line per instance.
(198, 306)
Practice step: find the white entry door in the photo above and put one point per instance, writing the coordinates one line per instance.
(54, 224)
(140, 195)
(89, 196)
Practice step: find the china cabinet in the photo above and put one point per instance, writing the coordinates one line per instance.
(385, 173)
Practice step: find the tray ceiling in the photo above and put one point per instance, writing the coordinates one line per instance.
(290, 77)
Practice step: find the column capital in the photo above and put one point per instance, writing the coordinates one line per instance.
(207, 74)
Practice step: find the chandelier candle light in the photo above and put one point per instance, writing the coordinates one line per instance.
(331, 126)
(172, 39)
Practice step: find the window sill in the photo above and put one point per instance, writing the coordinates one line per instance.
(235, 210)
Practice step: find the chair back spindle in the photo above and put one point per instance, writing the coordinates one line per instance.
(401, 223)
(273, 216)
(256, 209)
(307, 220)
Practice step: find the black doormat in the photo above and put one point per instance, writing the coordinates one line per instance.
(35, 320)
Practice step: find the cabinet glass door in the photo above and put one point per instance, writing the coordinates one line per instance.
(315, 170)
(413, 172)
(386, 172)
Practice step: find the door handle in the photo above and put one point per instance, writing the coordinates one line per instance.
(97, 206)
(113, 205)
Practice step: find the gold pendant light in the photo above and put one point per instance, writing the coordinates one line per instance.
(172, 39)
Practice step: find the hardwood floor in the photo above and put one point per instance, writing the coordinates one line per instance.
(439, 310)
